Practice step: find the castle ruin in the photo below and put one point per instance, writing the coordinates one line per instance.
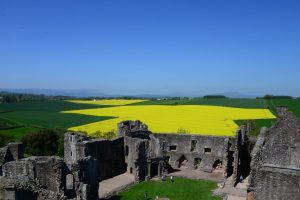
(271, 161)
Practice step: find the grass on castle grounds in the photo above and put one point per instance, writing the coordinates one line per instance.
(180, 189)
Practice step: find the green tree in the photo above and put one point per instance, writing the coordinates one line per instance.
(60, 149)
(214, 97)
(42, 143)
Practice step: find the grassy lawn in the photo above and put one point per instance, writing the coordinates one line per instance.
(180, 189)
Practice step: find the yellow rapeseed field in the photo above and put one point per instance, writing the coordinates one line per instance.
(109, 102)
(194, 119)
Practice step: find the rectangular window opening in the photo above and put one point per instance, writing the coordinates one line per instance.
(207, 150)
(126, 150)
(173, 148)
(193, 145)
(164, 144)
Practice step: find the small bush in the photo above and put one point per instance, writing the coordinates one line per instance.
(5, 139)
(255, 128)
(60, 149)
(183, 131)
(106, 135)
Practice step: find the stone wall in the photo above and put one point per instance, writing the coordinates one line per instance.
(11, 152)
(136, 157)
(243, 147)
(192, 151)
(284, 140)
(71, 151)
(149, 153)
(109, 153)
(48, 172)
(16, 149)
(277, 183)
(24, 188)
(275, 160)
(82, 179)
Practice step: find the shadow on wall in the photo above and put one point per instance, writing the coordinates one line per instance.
(120, 197)
(154, 169)
(183, 163)
(169, 168)
(217, 165)
(115, 198)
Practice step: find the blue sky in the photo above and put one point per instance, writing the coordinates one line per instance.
(151, 46)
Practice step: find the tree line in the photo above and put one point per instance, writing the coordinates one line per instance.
(270, 96)
(8, 97)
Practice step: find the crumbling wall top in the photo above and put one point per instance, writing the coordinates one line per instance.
(131, 128)
(282, 111)
(31, 187)
(278, 145)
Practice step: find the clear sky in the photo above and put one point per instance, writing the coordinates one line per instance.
(151, 46)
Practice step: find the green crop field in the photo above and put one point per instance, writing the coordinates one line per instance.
(237, 103)
(28, 117)
(293, 105)
(18, 119)
(8, 124)
(180, 189)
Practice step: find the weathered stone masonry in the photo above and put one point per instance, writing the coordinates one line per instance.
(30, 178)
(276, 160)
(148, 154)
(109, 154)
(193, 151)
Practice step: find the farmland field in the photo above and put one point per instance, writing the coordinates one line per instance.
(237, 103)
(293, 104)
(195, 119)
(108, 102)
(18, 119)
